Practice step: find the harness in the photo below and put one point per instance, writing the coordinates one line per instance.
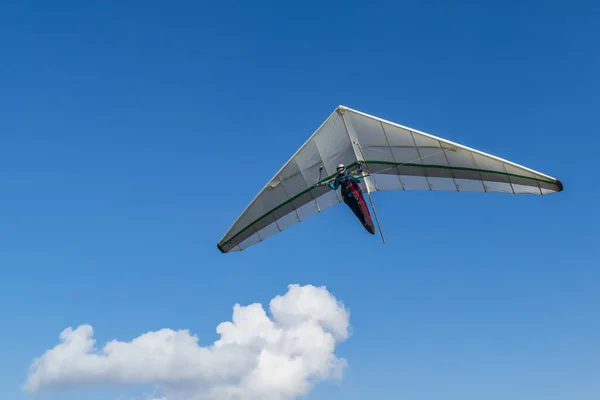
(346, 186)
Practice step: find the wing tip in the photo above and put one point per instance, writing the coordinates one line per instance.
(559, 185)
(220, 248)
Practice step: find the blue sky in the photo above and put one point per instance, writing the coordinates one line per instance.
(132, 135)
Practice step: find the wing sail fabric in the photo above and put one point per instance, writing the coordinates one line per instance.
(398, 158)
(289, 197)
(401, 158)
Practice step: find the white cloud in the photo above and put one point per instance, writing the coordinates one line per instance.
(256, 357)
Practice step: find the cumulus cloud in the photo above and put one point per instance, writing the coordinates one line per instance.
(257, 356)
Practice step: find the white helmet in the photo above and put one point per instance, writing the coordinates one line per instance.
(341, 168)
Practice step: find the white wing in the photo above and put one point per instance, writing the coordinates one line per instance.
(398, 158)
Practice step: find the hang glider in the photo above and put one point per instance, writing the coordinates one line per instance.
(396, 157)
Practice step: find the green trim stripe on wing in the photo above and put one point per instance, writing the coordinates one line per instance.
(393, 164)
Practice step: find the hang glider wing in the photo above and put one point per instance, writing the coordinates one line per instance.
(402, 158)
(397, 158)
(290, 196)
